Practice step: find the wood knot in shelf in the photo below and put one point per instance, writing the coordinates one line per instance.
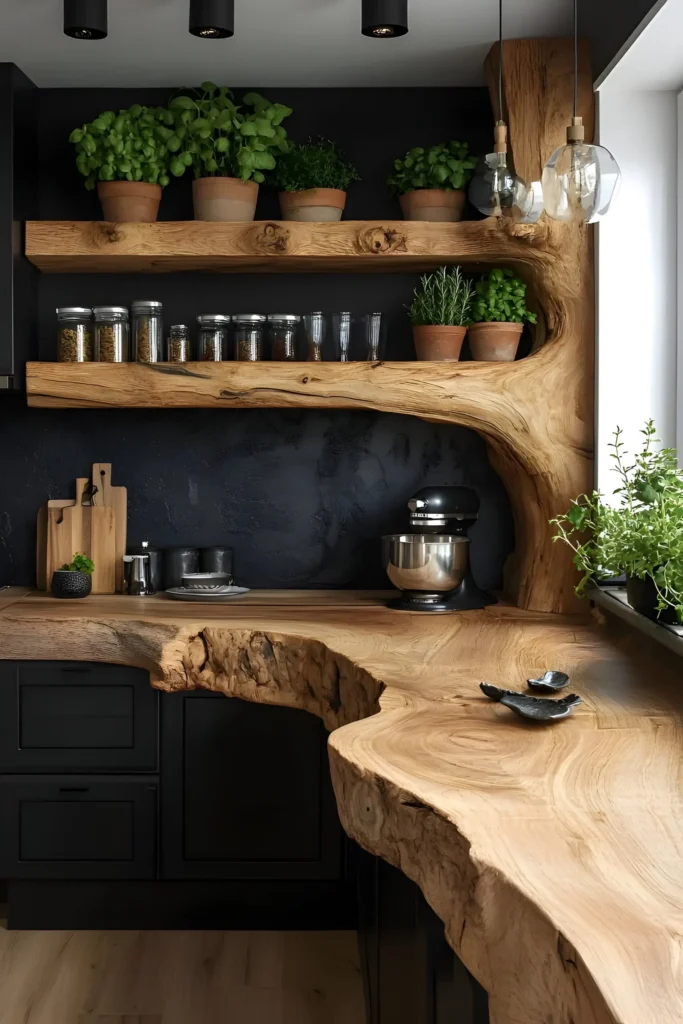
(381, 241)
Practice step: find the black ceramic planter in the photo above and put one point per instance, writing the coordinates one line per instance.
(71, 584)
(642, 596)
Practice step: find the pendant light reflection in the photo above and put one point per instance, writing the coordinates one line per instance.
(85, 19)
(384, 19)
(212, 19)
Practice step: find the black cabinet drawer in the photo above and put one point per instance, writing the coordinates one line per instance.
(71, 827)
(246, 791)
(75, 716)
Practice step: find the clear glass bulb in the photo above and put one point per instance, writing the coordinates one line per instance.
(497, 191)
(579, 182)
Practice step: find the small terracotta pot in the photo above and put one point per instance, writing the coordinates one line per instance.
(224, 199)
(132, 201)
(493, 342)
(432, 204)
(437, 342)
(313, 204)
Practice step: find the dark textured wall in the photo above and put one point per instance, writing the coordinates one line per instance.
(608, 24)
(302, 496)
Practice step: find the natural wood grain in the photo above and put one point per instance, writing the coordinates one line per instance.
(117, 498)
(551, 854)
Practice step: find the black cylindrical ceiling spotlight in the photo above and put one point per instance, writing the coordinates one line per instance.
(385, 19)
(85, 19)
(212, 19)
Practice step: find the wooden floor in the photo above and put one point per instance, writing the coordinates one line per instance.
(180, 978)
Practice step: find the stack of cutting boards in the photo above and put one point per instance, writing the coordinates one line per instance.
(92, 523)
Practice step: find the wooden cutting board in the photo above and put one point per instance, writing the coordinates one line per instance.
(117, 498)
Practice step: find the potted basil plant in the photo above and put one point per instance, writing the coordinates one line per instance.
(228, 147)
(126, 156)
(440, 312)
(73, 579)
(638, 534)
(499, 312)
(312, 178)
(430, 183)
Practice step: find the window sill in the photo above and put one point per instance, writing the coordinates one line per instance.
(613, 599)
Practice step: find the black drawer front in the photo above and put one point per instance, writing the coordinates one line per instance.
(70, 827)
(75, 716)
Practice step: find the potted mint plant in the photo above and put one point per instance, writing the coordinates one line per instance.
(499, 312)
(229, 148)
(73, 579)
(126, 156)
(312, 178)
(440, 312)
(639, 534)
(430, 183)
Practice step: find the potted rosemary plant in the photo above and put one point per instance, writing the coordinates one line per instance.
(73, 579)
(440, 312)
(499, 312)
(640, 535)
(313, 178)
(430, 183)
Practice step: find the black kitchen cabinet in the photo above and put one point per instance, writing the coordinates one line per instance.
(246, 792)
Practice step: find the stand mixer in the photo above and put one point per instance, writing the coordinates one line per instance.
(430, 565)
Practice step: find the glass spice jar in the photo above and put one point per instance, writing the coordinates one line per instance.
(74, 334)
(111, 334)
(249, 336)
(148, 331)
(314, 327)
(178, 347)
(282, 336)
(213, 336)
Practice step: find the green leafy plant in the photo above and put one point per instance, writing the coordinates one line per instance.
(217, 138)
(449, 166)
(128, 146)
(81, 563)
(640, 535)
(442, 297)
(500, 296)
(317, 163)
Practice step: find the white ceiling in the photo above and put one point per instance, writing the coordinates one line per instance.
(276, 42)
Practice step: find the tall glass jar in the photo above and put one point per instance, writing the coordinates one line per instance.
(314, 329)
(74, 334)
(148, 331)
(282, 329)
(213, 336)
(111, 334)
(249, 336)
(178, 348)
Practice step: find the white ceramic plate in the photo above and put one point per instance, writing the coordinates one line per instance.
(217, 594)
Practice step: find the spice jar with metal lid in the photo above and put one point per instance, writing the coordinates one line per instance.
(282, 329)
(213, 336)
(111, 334)
(249, 336)
(148, 331)
(74, 334)
(178, 347)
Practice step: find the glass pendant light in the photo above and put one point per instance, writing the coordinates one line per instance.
(580, 179)
(495, 189)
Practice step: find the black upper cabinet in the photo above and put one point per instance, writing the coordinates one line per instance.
(246, 791)
(18, 203)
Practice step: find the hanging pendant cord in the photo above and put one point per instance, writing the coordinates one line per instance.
(500, 59)
(576, 55)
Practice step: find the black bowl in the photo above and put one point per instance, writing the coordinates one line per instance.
(70, 584)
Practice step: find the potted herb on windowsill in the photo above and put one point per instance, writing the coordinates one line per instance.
(125, 155)
(641, 535)
(312, 178)
(227, 147)
(430, 183)
(440, 312)
(499, 312)
(73, 579)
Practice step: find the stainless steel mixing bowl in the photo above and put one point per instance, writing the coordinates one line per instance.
(424, 561)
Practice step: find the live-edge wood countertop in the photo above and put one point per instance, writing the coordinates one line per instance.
(553, 854)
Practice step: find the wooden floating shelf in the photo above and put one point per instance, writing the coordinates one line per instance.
(94, 247)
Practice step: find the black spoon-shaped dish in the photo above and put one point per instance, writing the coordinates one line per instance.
(550, 682)
(537, 709)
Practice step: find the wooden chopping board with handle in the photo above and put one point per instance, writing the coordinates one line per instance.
(106, 496)
(60, 534)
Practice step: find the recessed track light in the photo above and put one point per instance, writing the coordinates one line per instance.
(85, 19)
(385, 19)
(212, 19)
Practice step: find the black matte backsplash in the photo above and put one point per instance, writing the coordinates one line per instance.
(302, 496)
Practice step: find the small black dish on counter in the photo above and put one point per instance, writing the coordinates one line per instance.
(67, 583)
(550, 682)
(536, 709)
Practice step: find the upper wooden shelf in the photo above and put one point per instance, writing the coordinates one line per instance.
(94, 247)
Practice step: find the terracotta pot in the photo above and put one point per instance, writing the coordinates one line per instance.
(437, 342)
(132, 201)
(313, 204)
(495, 342)
(432, 204)
(224, 199)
